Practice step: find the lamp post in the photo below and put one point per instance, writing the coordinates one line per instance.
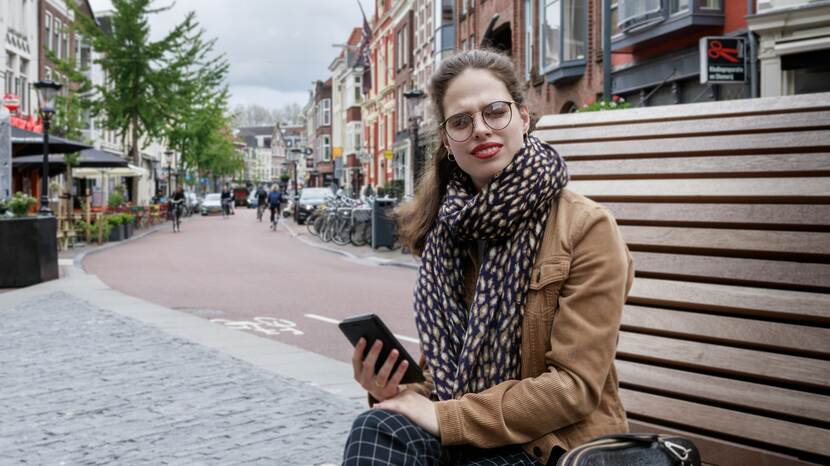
(413, 97)
(47, 91)
(296, 154)
(169, 154)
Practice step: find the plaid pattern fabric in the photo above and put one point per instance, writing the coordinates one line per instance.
(385, 438)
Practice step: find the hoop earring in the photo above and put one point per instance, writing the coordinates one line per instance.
(450, 157)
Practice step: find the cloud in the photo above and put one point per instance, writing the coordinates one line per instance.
(275, 48)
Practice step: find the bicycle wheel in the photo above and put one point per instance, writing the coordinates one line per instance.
(360, 235)
(342, 234)
(311, 225)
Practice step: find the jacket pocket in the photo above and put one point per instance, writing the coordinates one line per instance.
(548, 277)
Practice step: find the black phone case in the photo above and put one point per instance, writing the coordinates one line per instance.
(370, 326)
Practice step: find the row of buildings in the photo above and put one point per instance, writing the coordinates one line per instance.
(28, 28)
(369, 122)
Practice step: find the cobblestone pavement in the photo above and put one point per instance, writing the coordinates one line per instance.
(81, 385)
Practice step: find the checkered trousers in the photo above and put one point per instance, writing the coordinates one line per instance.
(385, 438)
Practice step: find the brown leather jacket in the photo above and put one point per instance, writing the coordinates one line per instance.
(569, 388)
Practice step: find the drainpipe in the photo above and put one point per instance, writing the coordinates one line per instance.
(606, 49)
(753, 53)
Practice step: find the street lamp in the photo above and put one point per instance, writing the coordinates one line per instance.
(297, 152)
(47, 91)
(413, 97)
(169, 154)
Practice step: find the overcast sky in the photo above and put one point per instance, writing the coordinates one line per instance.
(276, 48)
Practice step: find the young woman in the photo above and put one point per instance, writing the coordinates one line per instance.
(518, 298)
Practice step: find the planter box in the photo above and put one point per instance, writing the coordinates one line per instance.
(116, 233)
(128, 230)
(28, 251)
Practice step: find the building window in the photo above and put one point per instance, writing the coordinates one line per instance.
(710, 4)
(56, 38)
(48, 28)
(678, 6)
(24, 86)
(326, 104)
(528, 37)
(64, 44)
(563, 41)
(326, 149)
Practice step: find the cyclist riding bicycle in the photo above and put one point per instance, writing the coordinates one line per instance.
(177, 204)
(274, 201)
(226, 199)
(261, 199)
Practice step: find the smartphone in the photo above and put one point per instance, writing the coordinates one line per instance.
(371, 328)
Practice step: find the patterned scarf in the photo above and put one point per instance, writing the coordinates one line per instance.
(472, 349)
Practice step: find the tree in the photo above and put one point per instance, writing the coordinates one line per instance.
(139, 97)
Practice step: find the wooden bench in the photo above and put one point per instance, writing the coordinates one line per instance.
(726, 209)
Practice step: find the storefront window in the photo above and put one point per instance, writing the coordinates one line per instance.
(710, 4)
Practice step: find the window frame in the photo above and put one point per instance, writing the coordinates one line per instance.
(48, 30)
(565, 70)
(695, 15)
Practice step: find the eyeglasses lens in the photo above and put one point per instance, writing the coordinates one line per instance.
(496, 116)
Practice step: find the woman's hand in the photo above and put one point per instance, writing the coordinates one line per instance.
(418, 408)
(384, 384)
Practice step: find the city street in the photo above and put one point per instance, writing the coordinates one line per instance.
(237, 272)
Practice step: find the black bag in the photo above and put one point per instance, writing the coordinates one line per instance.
(633, 450)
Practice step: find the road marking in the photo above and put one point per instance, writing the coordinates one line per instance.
(335, 321)
(266, 325)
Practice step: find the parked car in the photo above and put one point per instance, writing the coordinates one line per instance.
(240, 196)
(212, 204)
(310, 200)
(252, 202)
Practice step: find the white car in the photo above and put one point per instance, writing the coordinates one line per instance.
(212, 204)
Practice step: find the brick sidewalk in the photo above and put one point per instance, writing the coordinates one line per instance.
(81, 385)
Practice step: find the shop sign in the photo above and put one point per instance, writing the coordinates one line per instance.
(388, 154)
(722, 60)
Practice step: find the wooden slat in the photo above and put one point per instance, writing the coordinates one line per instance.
(783, 215)
(727, 166)
(740, 425)
(683, 128)
(714, 241)
(734, 271)
(735, 189)
(721, 391)
(745, 363)
(795, 306)
(750, 144)
(716, 452)
(783, 106)
(775, 336)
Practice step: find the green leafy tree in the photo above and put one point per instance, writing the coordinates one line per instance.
(140, 95)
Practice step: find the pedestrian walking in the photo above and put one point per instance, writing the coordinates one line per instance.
(261, 198)
(226, 199)
(274, 202)
(518, 297)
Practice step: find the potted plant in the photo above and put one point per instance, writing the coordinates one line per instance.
(116, 228)
(34, 257)
(128, 220)
(3, 208)
(21, 204)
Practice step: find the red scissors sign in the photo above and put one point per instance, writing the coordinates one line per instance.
(717, 50)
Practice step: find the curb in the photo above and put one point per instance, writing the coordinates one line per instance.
(377, 260)
(77, 261)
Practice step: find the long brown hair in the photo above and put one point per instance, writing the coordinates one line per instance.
(415, 218)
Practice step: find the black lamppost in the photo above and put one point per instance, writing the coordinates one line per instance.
(413, 96)
(46, 93)
(169, 154)
(297, 153)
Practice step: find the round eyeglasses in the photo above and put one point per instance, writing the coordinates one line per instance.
(496, 115)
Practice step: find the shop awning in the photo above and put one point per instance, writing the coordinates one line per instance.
(89, 158)
(29, 143)
(129, 170)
